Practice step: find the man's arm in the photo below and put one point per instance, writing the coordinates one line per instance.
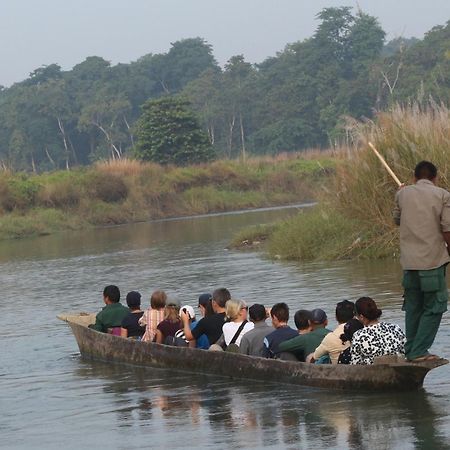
(446, 235)
(98, 325)
(321, 350)
(445, 220)
(186, 326)
(291, 344)
(396, 212)
(244, 348)
(266, 350)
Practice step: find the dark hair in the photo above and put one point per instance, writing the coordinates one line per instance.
(112, 292)
(302, 318)
(221, 296)
(350, 328)
(425, 169)
(133, 300)
(257, 312)
(280, 311)
(205, 301)
(345, 310)
(367, 308)
(158, 300)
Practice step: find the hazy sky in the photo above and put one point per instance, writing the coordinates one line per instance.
(41, 32)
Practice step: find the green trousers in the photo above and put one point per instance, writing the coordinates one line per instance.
(425, 300)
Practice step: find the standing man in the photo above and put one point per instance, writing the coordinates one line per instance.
(423, 212)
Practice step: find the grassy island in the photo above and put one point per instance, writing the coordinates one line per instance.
(354, 215)
(125, 191)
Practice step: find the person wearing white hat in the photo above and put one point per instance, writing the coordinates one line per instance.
(202, 342)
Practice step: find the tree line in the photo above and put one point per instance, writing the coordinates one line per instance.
(295, 100)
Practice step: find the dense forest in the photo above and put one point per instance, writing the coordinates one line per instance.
(295, 100)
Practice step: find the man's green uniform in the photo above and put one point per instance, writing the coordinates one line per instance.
(304, 344)
(423, 213)
(110, 316)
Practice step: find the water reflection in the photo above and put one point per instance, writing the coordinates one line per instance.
(172, 232)
(207, 409)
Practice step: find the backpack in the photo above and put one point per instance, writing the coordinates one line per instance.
(232, 347)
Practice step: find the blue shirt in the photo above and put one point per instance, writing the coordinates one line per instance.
(202, 341)
(274, 339)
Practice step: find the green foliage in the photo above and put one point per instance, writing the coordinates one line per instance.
(169, 133)
(252, 236)
(17, 192)
(109, 188)
(123, 191)
(314, 235)
(299, 99)
(355, 218)
(39, 221)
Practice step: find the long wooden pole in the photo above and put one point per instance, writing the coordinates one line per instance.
(385, 164)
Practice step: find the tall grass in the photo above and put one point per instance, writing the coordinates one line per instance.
(121, 191)
(355, 219)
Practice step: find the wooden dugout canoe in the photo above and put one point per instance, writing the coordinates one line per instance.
(388, 374)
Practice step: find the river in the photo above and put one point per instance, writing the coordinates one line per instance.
(51, 398)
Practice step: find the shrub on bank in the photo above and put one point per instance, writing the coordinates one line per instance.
(355, 216)
(122, 191)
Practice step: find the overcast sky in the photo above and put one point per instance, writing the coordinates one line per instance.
(41, 32)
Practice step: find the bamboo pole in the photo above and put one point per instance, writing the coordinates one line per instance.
(385, 164)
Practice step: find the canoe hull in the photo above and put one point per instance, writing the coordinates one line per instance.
(380, 377)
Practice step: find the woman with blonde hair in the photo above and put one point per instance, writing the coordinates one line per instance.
(154, 315)
(237, 324)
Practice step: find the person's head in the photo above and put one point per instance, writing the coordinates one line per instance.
(158, 300)
(279, 314)
(172, 310)
(318, 319)
(345, 310)
(349, 329)
(205, 305)
(367, 310)
(257, 313)
(236, 310)
(189, 310)
(425, 170)
(220, 298)
(111, 294)
(134, 300)
(301, 319)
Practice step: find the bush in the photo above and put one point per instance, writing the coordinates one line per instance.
(60, 194)
(314, 235)
(107, 187)
(17, 192)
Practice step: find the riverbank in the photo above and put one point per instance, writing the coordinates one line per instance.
(128, 191)
(354, 216)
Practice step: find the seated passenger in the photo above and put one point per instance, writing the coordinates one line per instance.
(171, 323)
(109, 319)
(153, 315)
(202, 341)
(211, 325)
(252, 343)
(280, 317)
(302, 322)
(130, 324)
(205, 305)
(303, 346)
(346, 337)
(376, 338)
(237, 325)
(331, 344)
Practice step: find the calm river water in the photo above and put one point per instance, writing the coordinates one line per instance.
(50, 398)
